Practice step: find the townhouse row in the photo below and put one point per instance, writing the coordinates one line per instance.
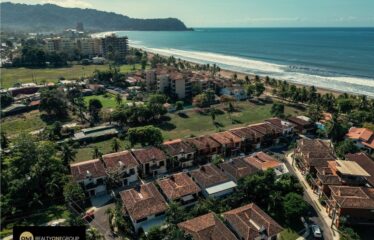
(344, 186)
(146, 204)
(179, 153)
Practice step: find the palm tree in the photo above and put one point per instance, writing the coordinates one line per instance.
(213, 114)
(363, 102)
(118, 99)
(93, 234)
(96, 153)
(67, 153)
(116, 145)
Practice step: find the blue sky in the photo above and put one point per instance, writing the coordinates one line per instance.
(238, 13)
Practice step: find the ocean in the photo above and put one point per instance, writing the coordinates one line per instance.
(334, 58)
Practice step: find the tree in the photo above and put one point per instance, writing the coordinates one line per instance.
(74, 195)
(157, 99)
(116, 145)
(345, 147)
(277, 110)
(53, 102)
(68, 153)
(175, 213)
(335, 130)
(347, 233)
(213, 114)
(146, 136)
(345, 105)
(314, 112)
(119, 222)
(94, 107)
(179, 105)
(250, 90)
(4, 140)
(5, 100)
(96, 153)
(93, 234)
(294, 206)
(201, 100)
(259, 89)
(118, 99)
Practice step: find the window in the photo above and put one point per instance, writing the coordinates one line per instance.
(162, 163)
(99, 181)
(159, 214)
(132, 171)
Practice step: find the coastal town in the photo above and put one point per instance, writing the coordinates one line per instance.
(135, 145)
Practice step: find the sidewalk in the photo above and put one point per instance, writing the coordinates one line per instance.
(319, 208)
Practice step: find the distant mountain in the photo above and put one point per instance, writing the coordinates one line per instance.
(50, 17)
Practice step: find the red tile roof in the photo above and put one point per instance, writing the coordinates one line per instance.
(120, 159)
(176, 147)
(245, 133)
(225, 138)
(363, 134)
(178, 185)
(150, 154)
(365, 162)
(92, 168)
(353, 197)
(265, 128)
(299, 121)
(262, 161)
(315, 152)
(279, 123)
(248, 221)
(203, 142)
(144, 202)
(207, 227)
(208, 175)
(238, 168)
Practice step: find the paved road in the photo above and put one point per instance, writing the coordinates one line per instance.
(320, 216)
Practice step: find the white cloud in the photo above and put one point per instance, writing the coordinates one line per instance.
(69, 3)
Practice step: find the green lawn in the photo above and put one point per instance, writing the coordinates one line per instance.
(10, 76)
(85, 152)
(37, 218)
(107, 100)
(288, 234)
(198, 124)
(26, 122)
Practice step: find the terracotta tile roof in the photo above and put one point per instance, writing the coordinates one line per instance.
(92, 168)
(176, 147)
(120, 159)
(315, 152)
(262, 161)
(363, 134)
(144, 202)
(327, 177)
(365, 162)
(248, 221)
(238, 168)
(299, 121)
(207, 227)
(150, 154)
(279, 123)
(265, 128)
(178, 185)
(245, 133)
(226, 138)
(203, 142)
(353, 197)
(208, 175)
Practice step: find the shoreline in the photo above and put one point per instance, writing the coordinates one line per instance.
(227, 73)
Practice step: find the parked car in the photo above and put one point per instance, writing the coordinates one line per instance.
(89, 216)
(316, 230)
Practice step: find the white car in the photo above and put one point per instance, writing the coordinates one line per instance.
(316, 230)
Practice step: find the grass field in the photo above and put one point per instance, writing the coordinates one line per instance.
(197, 124)
(11, 76)
(26, 122)
(108, 100)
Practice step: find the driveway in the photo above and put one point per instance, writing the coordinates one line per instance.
(320, 216)
(101, 223)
